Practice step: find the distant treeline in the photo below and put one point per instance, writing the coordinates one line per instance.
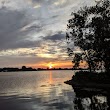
(24, 68)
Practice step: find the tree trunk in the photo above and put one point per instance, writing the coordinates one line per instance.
(90, 68)
(107, 68)
(89, 62)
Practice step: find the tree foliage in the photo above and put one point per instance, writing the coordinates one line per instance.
(89, 29)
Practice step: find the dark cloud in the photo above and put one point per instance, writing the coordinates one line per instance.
(42, 1)
(55, 37)
(38, 1)
(25, 44)
(11, 22)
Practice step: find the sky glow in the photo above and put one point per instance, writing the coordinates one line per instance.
(32, 32)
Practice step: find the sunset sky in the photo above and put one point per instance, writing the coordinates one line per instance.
(32, 32)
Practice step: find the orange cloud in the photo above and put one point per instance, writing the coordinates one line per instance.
(57, 64)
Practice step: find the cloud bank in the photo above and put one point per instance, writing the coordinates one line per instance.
(35, 29)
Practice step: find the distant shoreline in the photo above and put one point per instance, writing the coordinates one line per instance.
(7, 69)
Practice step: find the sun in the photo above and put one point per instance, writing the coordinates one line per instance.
(50, 65)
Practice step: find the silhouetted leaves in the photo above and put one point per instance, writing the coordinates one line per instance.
(90, 30)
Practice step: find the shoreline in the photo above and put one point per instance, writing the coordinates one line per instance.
(88, 85)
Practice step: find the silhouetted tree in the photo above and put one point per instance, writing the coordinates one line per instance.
(89, 29)
(24, 68)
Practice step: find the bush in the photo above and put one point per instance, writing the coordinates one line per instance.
(85, 76)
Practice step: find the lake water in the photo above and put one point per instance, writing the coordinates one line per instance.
(42, 90)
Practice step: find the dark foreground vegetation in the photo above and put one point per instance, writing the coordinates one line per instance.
(90, 33)
(85, 79)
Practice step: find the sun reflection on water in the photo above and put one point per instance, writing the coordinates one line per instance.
(51, 79)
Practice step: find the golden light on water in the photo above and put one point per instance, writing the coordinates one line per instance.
(50, 79)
